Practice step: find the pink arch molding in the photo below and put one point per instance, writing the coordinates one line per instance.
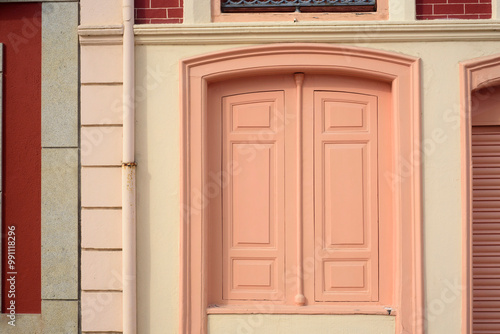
(474, 74)
(401, 72)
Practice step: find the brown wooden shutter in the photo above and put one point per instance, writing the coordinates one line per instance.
(486, 228)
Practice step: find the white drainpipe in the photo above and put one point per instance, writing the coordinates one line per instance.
(128, 174)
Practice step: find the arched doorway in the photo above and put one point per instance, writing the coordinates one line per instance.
(480, 125)
(357, 107)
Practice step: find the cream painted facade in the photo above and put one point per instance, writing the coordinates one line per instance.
(159, 49)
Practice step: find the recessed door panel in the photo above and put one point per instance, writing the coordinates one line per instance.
(253, 195)
(343, 116)
(252, 115)
(342, 275)
(344, 200)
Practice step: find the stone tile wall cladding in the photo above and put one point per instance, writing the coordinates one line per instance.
(158, 11)
(59, 175)
(453, 9)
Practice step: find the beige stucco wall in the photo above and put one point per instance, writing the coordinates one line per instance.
(299, 324)
(158, 158)
(440, 45)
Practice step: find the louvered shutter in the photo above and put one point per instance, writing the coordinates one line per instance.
(486, 229)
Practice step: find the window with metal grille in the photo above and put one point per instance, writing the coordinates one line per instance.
(301, 6)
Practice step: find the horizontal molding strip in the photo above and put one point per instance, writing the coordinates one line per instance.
(258, 33)
(101, 35)
(312, 309)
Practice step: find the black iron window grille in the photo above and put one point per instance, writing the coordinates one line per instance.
(229, 6)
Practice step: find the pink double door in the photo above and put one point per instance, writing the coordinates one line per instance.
(299, 203)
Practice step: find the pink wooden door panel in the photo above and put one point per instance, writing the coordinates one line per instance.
(486, 228)
(346, 196)
(253, 201)
(258, 221)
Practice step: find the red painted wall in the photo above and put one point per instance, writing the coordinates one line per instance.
(158, 11)
(20, 32)
(453, 9)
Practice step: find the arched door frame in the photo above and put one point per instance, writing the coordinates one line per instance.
(403, 72)
(476, 73)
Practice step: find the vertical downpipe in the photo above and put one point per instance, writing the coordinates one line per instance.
(128, 174)
(300, 299)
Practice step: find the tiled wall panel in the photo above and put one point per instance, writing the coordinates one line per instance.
(101, 172)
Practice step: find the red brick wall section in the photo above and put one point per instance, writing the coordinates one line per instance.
(453, 9)
(158, 11)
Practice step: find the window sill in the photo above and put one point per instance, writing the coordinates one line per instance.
(382, 13)
(299, 17)
(312, 309)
